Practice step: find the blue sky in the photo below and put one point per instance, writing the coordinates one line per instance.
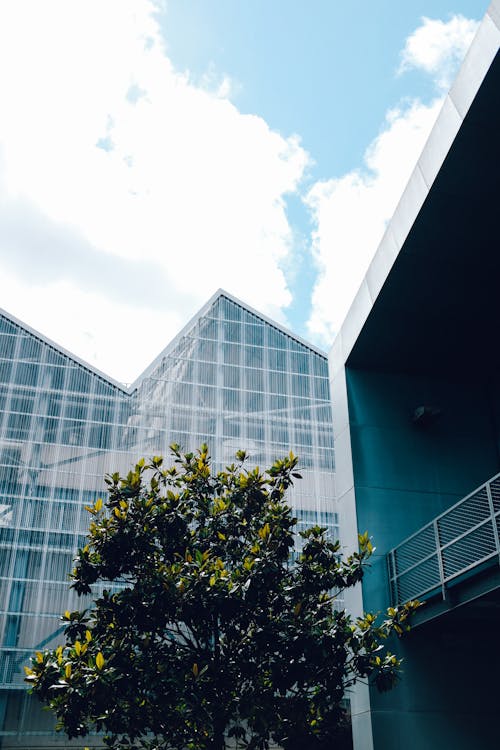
(150, 153)
(319, 69)
(323, 71)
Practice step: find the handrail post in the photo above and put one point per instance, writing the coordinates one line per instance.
(439, 557)
(493, 519)
(393, 584)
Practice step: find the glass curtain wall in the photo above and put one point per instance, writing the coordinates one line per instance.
(61, 428)
(232, 380)
(235, 380)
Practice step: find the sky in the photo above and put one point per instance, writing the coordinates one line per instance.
(153, 152)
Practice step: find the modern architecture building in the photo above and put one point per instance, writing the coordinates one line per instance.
(231, 378)
(415, 375)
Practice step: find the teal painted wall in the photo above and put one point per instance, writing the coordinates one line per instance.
(448, 695)
(404, 476)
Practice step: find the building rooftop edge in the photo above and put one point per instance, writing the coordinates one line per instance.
(164, 352)
(201, 312)
(471, 75)
(62, 350)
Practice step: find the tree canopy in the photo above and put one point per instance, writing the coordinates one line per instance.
(217, 629)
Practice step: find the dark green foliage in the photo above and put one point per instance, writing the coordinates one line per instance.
(215, 633)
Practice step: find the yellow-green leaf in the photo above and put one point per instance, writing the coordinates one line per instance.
(78, 648)
(39, 657)
(195, 669)
(264, 531)
(99, 660)
(67, 670)
(212, 580)
(88, 636)
(28, 671)
(98, 504)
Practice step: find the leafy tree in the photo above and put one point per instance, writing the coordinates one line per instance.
(215, 632)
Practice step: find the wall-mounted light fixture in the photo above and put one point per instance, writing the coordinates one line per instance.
(423, 416)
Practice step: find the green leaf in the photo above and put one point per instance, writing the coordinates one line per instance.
(198, 570)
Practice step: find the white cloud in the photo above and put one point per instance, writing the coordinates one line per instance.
(115, 337)
(350, 213)
(437, 47)
(101, 137)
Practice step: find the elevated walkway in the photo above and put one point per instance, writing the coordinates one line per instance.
(454, 559)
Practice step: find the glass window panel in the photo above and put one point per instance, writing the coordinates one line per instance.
(255, 429)
(54, 377)
(230, 311)
(55, 358)
(253, 356)
(300, 385)
(27, 373)
(22, 403)
(304, 437)
(76, 409)
(326, 460)
(254, 380)
(277, 403)
(276, 339)
(277, 382)
(254, 402)
(231, 400)
(277, 359)
(232, 426)
(7, 346)
(206, 396)
(231, 331)
(5, 371)
(208, 328)
(254, 335)
(231, 353)
(207, 350)
(321, 388)
(231, 376)
(279, 432)
(30, 348)
(320, 366)
(7, 327)
(207, 373)
(299, 362)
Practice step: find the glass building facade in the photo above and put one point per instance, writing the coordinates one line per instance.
(231, 378)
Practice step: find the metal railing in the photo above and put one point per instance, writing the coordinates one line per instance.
(462, 538)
